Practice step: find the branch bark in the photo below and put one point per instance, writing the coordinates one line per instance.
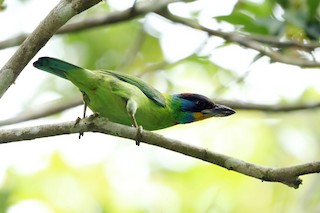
(64, 11)
(275, 42)
(286, 175)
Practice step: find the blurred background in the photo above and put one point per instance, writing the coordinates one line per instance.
(270, 76)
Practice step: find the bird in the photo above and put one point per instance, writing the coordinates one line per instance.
(128, 100)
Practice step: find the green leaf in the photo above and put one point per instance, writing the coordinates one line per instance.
(295, 17)
(313, 8)
(263, 9)
(103, 48)
(270, 24)
(312, 30)
(2, 6)
(236, 18)
(247, 23)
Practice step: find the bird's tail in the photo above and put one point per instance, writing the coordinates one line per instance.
(55, 66)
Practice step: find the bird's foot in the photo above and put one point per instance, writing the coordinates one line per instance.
(75, 124)
(77, 121)
(93, 116)
(139, 135)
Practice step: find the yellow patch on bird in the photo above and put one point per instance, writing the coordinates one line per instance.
(198, 116)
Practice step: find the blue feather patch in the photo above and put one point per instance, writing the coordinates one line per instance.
(186, 117)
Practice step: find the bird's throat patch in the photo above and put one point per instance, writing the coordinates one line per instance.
(198, 116)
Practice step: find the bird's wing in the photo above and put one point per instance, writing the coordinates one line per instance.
(149, 91)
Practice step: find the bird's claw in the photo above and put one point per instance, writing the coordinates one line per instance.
(139, 135)
(93, 116)
(77, 121)
(75, 124)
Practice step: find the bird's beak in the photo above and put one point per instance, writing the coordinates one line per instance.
(218, 111)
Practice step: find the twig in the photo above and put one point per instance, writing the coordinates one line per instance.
(59, 15)
(42, 111)
(14, 41)
(275, 42)
(270, 108)
(134, 7)
(286, 175)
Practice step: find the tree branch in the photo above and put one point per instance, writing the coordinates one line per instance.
(275, 42)
(64, 11)
(14, 41)
(111, 18)
(286, 175)
(268, 107)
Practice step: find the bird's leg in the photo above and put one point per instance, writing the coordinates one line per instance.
(85, 99)
(84, 115)
(84, 109)
(94, 115)
(75, 124)
(131, 109)
(139, 129)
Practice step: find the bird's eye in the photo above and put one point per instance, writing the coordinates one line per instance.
(200, 104)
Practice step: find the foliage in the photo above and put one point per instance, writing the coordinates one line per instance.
(297, 19)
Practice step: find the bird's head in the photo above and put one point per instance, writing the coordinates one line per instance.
(195, 107)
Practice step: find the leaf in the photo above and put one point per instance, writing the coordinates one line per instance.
(264, 9)
(270, 24)
(256, 58)
(2, 6)
(295, 17)
(103, 48)
(248, 23)
(312, 29)
(236, 18)
(313, 8)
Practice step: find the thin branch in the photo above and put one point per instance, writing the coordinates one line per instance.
(140, 9)
(243, 40)
(44, 110)
(270, 108)
(59, 15)
(286, 175)
(275, 42)
(134, 6)
(14, 41)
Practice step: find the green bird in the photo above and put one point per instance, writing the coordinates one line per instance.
(127, 100)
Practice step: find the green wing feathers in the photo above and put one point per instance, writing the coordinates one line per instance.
(60, 68)
(55, 66)
(149, 91)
